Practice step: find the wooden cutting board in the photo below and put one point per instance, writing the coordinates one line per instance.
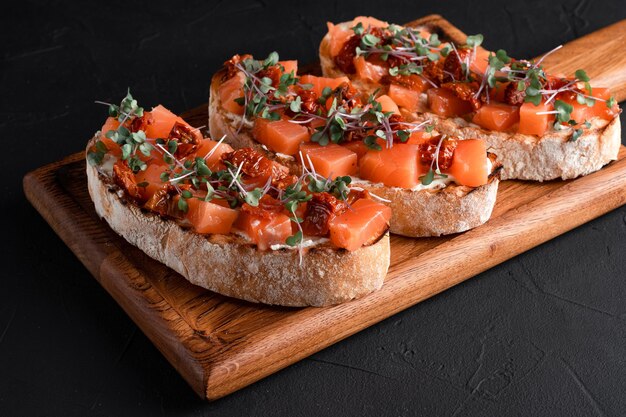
(220, 345)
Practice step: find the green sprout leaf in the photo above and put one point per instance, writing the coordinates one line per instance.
(358, 29)
(182, 205)
(564, 111)
(370, 40)
(581, 75)
(295, 105)
(253, 197)
(610, 102)
(428, 178)
(474, 40)
(271, 60)
(295, 239)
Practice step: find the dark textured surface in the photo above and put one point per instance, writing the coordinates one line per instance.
(543, 334)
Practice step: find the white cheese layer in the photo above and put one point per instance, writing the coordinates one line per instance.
(306, 243)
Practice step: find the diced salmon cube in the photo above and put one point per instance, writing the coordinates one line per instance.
(330, 160)
(209, 218)
(361, 225)
(281, 136)
(395, 167)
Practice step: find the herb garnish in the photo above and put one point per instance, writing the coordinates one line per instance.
(407, 46)
(130, 141)
(261, 98)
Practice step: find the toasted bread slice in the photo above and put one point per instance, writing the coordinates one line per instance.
(542, 158)
(230, 265)
(416, 213)
(551, 156)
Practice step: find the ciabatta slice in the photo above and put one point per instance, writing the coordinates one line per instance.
(230, 265)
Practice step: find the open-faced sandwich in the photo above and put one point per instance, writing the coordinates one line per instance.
(434, 183)
(540, 126)
(234, 221)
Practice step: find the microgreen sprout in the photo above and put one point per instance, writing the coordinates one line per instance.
(407, 46)
(260, 95)
(130, 142)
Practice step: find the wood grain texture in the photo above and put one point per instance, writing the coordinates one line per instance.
(602, 54)
(219, 344)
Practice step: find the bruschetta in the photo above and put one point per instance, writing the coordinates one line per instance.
(231, 220)
(541, 126)
(435, 184)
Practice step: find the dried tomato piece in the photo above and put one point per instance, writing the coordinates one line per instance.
(230, 65)
(309, 101)
(255, 165)
(283, 183)
(428, 149)
(160, 201)
(396, 118)
(466, 92)
(125, 179)
(188, 139)
(453, 64)
(272, 73)
(395, 61)
(411, 82)
(320, 210)
(141, 123)
(252, 163)
(347, 96)
(513, 96)
(554, 83)
(355, 135)
(433, 70)
(345, 58)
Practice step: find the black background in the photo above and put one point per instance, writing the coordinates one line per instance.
(543, 334)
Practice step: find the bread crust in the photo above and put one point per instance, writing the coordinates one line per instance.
(523, 157)
(453, 209)
(229, 265)
(551, 156)
(415, 213)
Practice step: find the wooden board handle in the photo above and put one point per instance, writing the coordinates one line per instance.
(602, 54)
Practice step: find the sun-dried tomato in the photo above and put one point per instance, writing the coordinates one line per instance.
(453, 64)
(230, 65)
(554, 83)
(345, 58)
(465, 91)
(320, 210)
(272, 73)
(513, 96)
(125, 179)
(188, 139)
(254, 165)
(309, 101)
(355, 135)
(396, 118)
(284, 182)
(394, 61)
(347, 96)
(160, 201)
(410, 82)
(141, 123)
(428, 149)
